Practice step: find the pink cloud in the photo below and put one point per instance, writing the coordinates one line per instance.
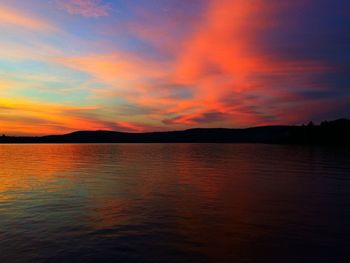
(86, 8)
(10, 17)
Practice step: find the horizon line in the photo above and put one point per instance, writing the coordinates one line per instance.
(180, 130)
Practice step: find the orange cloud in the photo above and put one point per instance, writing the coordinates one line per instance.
(112, 68)
(19, 116)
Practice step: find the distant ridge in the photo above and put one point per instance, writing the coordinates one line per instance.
(335, 132)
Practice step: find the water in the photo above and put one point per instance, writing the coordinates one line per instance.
(174, 203)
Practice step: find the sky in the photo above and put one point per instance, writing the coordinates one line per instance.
(156, 65)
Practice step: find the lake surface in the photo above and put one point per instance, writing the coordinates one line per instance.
(174, 203)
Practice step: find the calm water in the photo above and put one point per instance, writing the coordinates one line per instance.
(174, 203)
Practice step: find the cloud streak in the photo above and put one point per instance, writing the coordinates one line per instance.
(17, 18)
(25, 117)
(85, 8)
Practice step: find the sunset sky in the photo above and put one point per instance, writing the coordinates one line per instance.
(153, 65)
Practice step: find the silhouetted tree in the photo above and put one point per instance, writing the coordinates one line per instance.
(324, 123)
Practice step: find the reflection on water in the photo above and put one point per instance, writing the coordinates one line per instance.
(174, 202)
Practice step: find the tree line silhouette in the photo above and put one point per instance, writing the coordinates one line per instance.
(327, 133)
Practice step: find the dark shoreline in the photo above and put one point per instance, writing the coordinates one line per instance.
(328, 133)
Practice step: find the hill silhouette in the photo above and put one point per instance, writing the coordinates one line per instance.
(327, 133)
